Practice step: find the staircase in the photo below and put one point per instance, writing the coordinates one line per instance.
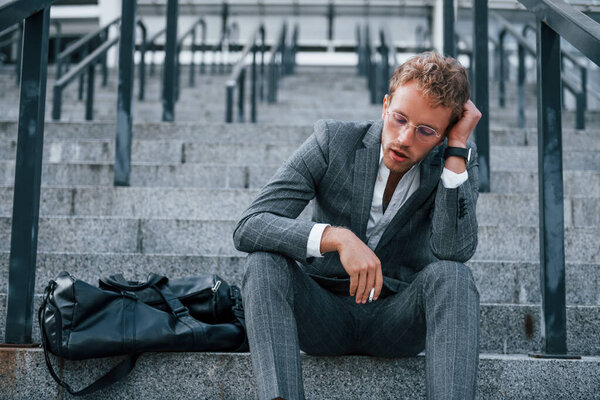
(191, 180)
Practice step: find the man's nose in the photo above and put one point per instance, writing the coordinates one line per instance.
(406, 135)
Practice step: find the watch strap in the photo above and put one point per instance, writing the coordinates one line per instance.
(458, 151)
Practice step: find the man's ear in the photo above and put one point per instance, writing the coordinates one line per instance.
(386, 104)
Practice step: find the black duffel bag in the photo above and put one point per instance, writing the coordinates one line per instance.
(79, 321)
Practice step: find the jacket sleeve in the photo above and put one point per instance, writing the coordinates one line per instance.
(454, 224)
(270, 223)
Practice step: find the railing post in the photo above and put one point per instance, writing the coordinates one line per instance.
(229, 102)
(501, 67)
(262, 63)
(57, 39)
(125, 94)
(170, 63)
(142, 66)
(192, 69)
(579, 111)
(550, 176)
(481, 90)
(271, 88)
(19, 57)
(84, 54)
(359, 53)
(104, 62)
(330, 17)
(28, 176)
(241, 94)
(449, 38)
(385, 68)
(253, 87)
(56, 103)
(89, 101)
(521, 87)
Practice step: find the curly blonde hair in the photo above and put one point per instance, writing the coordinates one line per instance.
(443, 81)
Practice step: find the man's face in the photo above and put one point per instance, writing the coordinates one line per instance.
(403, 147)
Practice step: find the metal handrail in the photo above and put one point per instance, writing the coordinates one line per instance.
(28, 164)
(224, 42)
(555, 19)
(88, 65)
(190, 32)
(81, 46)
(18, 28)
(578, 64)
(277, 60)
(237, 79)
(150, 45)
(371, 65)
(525, 46)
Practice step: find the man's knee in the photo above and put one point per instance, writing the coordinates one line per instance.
(451, 275)
(266, 271)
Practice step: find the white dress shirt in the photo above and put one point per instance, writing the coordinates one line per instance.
(378, 221)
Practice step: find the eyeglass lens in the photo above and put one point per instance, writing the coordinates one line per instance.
(400, 120)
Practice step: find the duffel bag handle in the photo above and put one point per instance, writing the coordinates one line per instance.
(119, 282)
(117, 373)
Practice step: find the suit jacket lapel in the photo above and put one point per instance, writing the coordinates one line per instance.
(430, 171)
(366, 165)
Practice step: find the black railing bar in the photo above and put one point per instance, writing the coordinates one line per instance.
(86, 39)
(156, 36)
(275, 48)
(191, 29)
(570, 85)
(391, 46)
(507, 27)
(9, 41)
(80, 67)
(10, 30)
(569, 56)
(237, 70)
(17, 10)
(571, 24)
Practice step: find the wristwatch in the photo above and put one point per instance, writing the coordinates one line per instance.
(458, 151)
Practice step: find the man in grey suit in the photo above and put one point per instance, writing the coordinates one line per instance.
(379, 270)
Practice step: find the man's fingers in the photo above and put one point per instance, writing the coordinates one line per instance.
(378, 283)
(353, 284)
(362, 284)
(370, 285)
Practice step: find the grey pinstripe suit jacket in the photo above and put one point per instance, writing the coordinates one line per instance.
(337, 165)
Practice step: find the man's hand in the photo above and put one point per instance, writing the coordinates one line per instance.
(458, 135)
(460, 132)
(359, 261)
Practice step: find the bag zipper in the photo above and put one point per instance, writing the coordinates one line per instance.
(216, 287)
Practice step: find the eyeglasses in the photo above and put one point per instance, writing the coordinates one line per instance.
(399, 121)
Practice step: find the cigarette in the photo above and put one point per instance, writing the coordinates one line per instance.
(371, 295)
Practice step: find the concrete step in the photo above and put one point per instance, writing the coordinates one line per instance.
(255, 176)
(272, 133)
(230, 376)
(214, 237)
(176, 151)
(505, 328)
(505, 282)
(228, 204)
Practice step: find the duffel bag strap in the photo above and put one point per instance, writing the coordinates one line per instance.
(238, 312)
(117, 373)
(119, 282)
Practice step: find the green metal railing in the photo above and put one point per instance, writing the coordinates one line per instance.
(87, 66)
(237, 79)
(555, 19)
(28, 171)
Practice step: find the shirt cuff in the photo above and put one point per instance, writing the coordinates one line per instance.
(452, 180)
(313, 246)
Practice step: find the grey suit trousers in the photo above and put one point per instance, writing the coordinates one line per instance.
(286, 310)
